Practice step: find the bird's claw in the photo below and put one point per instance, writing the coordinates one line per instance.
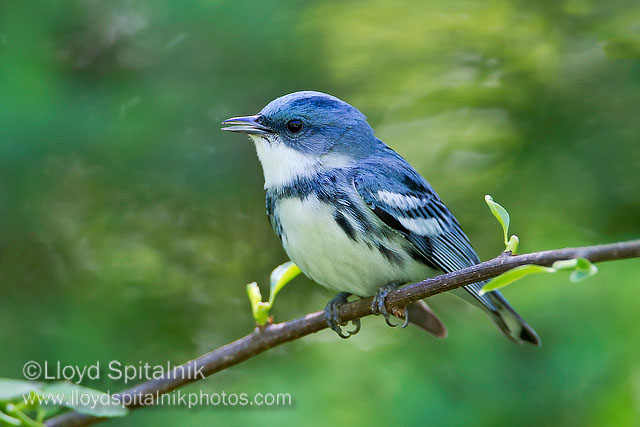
(332, 316)
(378, 306)
(406, 318)
(356, 327)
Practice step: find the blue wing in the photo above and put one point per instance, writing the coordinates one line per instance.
(405, 201)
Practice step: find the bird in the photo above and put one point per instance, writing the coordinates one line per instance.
(355, 216)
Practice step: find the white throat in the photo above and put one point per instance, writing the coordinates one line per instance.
(282, 165)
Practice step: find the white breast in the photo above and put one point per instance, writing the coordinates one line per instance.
(324, 252)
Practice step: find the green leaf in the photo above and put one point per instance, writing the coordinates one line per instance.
(510, 276)
(85, 400)
(584, 269)
(255, 299)
(262, 313)
(280, 276)
(24, 420)
(501, 215)
(512, 245)
(584, 264)
(581, 268)
(11, 389)
(565, 264)
(6, 419)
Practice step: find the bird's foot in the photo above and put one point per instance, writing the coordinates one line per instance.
(378, 306)
(332, 316)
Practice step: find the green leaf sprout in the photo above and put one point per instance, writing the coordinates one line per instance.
(580, 269)
(280, 276)
(19, 398)
(501, 215)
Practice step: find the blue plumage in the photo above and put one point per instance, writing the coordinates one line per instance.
(351, 212)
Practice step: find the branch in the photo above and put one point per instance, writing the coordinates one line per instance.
(263, 339)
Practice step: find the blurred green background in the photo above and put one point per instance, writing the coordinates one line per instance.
(130, 224)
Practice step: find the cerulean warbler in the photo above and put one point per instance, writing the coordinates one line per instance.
(354, 215)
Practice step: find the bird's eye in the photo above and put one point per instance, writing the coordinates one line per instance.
(294, 125)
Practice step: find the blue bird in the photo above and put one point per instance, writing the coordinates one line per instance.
(355, 216)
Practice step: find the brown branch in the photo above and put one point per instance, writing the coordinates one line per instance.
(263, 339)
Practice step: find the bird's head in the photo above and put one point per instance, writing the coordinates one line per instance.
(305, 132)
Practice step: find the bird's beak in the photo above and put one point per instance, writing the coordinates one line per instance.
(248, 125)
